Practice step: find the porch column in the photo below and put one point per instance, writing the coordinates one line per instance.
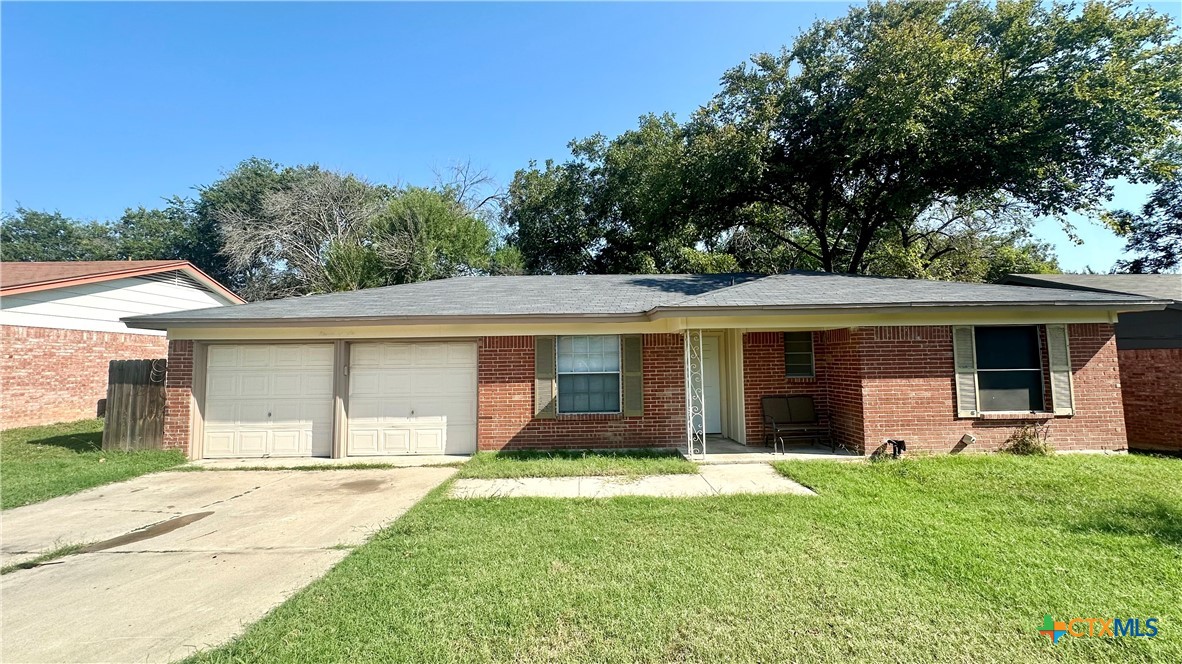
(695, 395)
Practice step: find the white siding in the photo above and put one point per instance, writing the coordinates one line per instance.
(99, 306)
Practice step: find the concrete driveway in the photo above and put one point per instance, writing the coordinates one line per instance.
(187, 559)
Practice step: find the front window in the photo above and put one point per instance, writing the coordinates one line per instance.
(589, 374)
(1009, 368)
(798, 355)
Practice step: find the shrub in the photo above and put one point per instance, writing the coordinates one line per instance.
(1030, 440)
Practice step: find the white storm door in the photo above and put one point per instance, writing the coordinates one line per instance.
(711, 384)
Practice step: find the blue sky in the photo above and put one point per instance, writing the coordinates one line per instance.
(107, 106)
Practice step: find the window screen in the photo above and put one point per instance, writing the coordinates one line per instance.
(589, 374)
(1009, 368)
(798, 354)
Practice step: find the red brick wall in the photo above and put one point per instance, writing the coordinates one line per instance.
(763, 374)
(908, 393)
(506, 401)
(178, 390)
(50, 375)
(1151, 382)
(875, 383)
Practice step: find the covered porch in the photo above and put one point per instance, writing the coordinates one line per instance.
(729, 373)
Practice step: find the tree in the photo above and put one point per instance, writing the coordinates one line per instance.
(1156, 233)
(155, 234)
(867, 122)
(430, 234)
(313, 235)
(31, 235)
(840, 152)
(240, 193)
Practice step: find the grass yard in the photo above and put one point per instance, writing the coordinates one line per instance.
(37, 463)
(564, 463)
(951, 559)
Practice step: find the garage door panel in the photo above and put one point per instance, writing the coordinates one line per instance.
(396, 355)
(443, 408)
(253, 441)
(394, 383)
(219, 443)
(223, 356)
(364, 355)
(428, 440)
(396, 441)
(364, 441)
(289, 442)
(463, 355)
(435, 380)
(461, 439)
(365, 383)
(269, 400)
(254, 356)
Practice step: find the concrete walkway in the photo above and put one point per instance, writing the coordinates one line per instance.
(711, 481)
(187, 559)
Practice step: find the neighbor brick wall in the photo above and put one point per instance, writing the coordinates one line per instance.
(506, 401)
(1151, 382)
(178, 391)
(50, 375)
(907, 388)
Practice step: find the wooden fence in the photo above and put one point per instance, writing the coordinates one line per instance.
(135, 405)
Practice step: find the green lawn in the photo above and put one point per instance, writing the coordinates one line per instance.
(37, 463)
(573, 463)
(951, 559)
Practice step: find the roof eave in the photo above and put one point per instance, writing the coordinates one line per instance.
(186, 266)
(166, 321)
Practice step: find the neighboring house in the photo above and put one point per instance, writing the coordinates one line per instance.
(60, 326)
(591, 361)
(1149, 344)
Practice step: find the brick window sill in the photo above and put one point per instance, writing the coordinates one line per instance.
(589, 416)
(1015, 416)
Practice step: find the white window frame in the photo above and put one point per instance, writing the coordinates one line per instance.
(618, 373)
(1041, 369)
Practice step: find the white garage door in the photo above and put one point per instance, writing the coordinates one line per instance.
(412, 398)
(268, 400)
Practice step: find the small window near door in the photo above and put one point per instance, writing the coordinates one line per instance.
(589, 374)
(798, 355)
(1009, 368)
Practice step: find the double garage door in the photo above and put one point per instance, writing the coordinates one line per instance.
(403, 398)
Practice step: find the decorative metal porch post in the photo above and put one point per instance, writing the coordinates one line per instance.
(695, 395)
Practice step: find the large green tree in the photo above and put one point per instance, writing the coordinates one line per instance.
(32, 235)
(1155, 233)
(842, 152)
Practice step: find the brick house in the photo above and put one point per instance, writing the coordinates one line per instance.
(1149, 345)
(60, 326)
(596, 361)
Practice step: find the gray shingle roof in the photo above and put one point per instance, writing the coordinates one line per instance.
(622, 296)
(1159, 286)
(822, 289)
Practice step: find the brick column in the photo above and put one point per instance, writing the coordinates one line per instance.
(178, 396)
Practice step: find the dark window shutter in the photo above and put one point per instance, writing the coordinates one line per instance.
(632, 374)
(545, 389)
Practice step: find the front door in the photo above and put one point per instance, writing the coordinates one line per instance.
(711, 384)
